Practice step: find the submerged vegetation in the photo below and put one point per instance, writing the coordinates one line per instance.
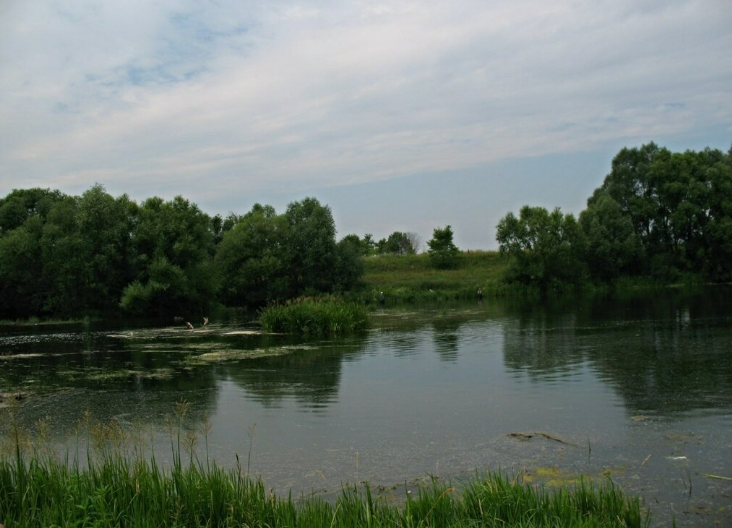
(312, 317)
(117, 481)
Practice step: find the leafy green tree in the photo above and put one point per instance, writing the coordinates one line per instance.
(22, 204)
(356, 243)
(349, 266)
(545, 248)
(442, 251)
(105, 227)
(718, 230)
(220, 226)
(677, 204)
(174, 248)
(62, 253)
(398, 243)
(21, 290)
(23, 213)
(612, 247)
(311, 247)
(252, 259)
(369, 244)
(269, 257)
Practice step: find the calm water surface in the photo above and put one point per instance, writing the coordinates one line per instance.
(639, 390)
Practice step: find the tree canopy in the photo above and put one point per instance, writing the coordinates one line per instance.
(546, 247)
(658, 214)
(66, 256)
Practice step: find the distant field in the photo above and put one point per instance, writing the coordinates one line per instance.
(412, 277)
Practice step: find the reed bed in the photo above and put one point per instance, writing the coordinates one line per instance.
(122, 486)
(315, 317)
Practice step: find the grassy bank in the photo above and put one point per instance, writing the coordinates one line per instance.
(412, 278)
(120, 484)
(315, 317)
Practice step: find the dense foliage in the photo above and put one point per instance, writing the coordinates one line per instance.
(546, 247)
(64, 255)
(658, 214)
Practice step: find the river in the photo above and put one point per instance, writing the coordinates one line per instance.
(638, 390)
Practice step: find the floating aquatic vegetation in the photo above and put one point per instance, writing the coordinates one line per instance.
(9, 357)
(98, 374)
(237, 355)
(552, 477)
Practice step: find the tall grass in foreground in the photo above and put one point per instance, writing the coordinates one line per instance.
(313, 317)
(121, 486)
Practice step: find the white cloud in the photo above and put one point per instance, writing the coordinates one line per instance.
(261, 95)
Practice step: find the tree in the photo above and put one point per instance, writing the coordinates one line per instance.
(252, 259)
(21, 287)
(369, 245)
(62, 254)
(399, 243)
(349, 264)
(545, 248)
(220, 226)
(174, 246)
(360, 246)
(269, 257)
(443, 253)
(311, 246)
(105, 226)
(612, 247)
(22, 204)
(24, 288)
(678, 205)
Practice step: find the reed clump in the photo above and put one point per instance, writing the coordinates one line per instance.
(315, 317)
(120, 483)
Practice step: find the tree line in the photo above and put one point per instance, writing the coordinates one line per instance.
(658, 214)
(67, 255)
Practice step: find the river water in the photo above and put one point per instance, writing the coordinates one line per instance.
(638, 390)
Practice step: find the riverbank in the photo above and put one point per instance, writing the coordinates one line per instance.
(118, 484)
(412, 278)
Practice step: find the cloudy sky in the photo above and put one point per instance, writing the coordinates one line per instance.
(399, 115)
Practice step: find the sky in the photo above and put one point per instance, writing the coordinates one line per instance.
(401, 116)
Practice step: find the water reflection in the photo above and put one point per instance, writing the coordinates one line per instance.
(543, 342)
(310, 377)
(446, 338)
(666, 353)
